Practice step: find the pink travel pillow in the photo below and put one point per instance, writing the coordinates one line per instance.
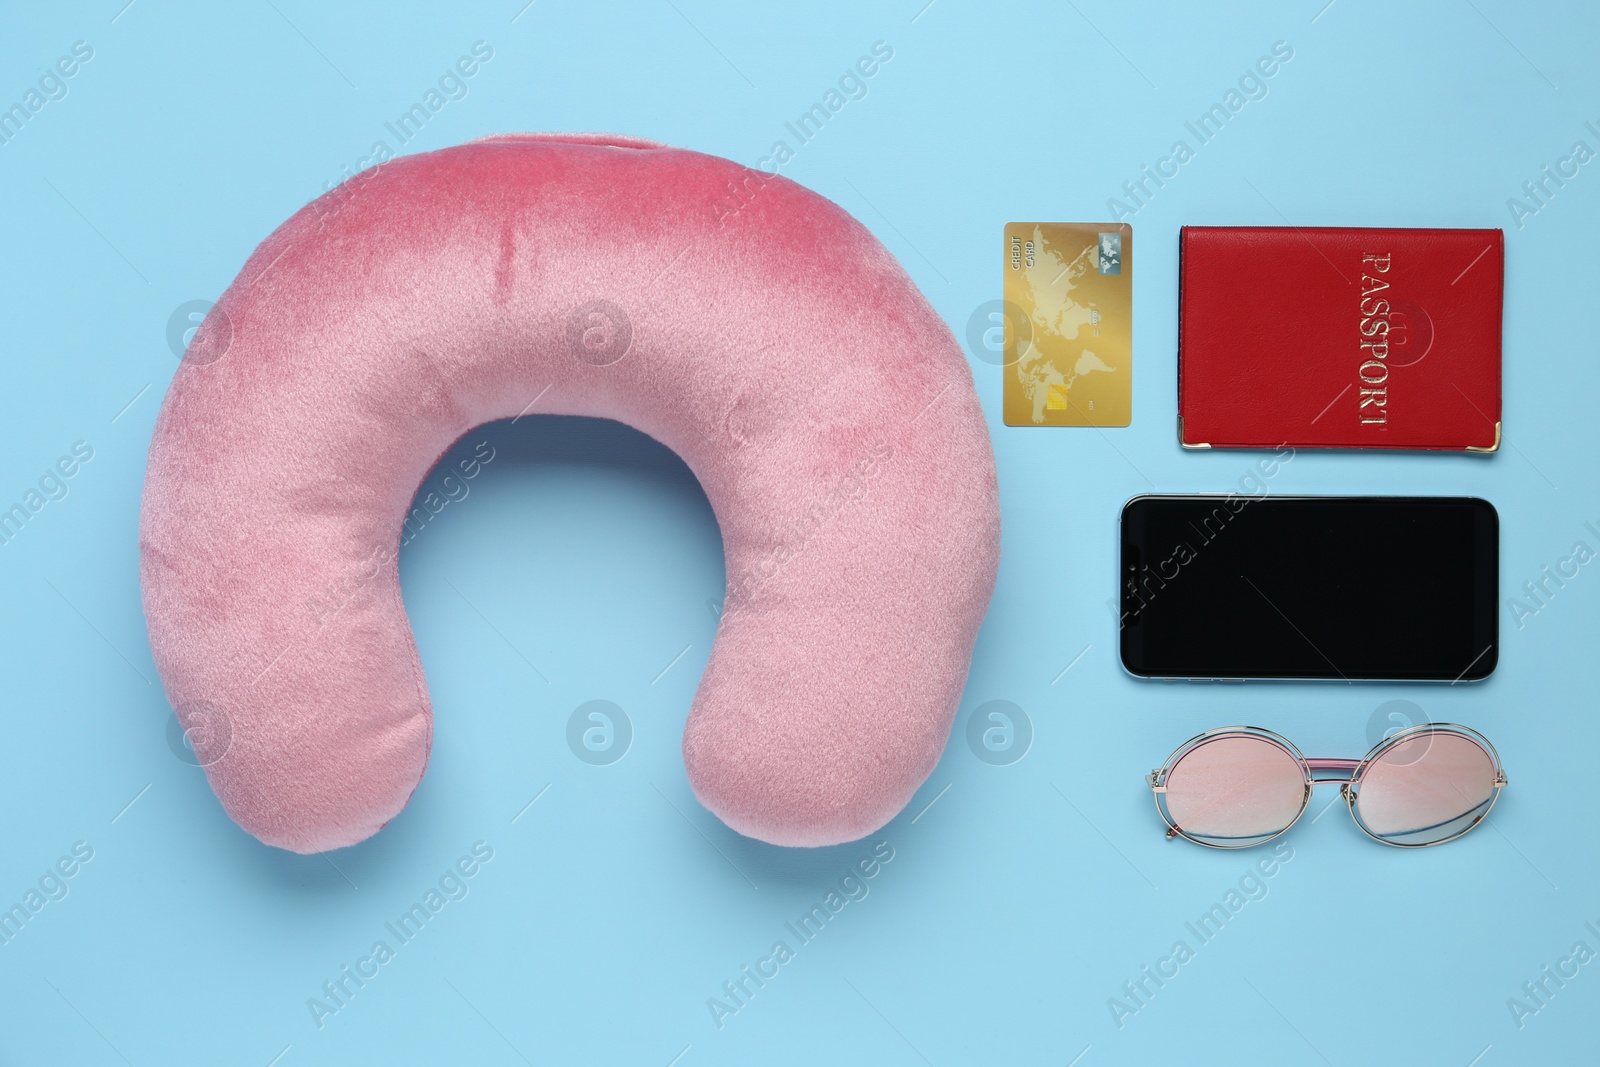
(749, 324)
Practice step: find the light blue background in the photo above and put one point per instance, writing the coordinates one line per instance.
(1025, 895)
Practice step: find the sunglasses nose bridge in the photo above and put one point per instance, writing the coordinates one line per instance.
(1334, 770)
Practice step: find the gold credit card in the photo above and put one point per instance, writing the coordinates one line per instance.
(1068, 324)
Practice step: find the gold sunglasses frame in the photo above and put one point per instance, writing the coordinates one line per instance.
(1350, 786)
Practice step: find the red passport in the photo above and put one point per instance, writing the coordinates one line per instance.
(1339, 338)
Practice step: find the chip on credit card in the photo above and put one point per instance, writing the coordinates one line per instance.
(1068, 324)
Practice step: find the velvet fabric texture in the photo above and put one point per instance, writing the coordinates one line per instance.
(746, 322)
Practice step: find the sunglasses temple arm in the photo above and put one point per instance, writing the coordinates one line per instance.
(1345, 766)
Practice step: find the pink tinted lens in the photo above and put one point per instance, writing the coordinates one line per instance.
(1427, 788)
(1235, 791)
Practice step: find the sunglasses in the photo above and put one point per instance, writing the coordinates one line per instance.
(1242, 786)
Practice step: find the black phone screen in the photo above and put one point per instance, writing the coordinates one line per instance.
(1310, 587)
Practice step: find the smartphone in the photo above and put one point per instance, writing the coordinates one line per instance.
(1355, 588)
